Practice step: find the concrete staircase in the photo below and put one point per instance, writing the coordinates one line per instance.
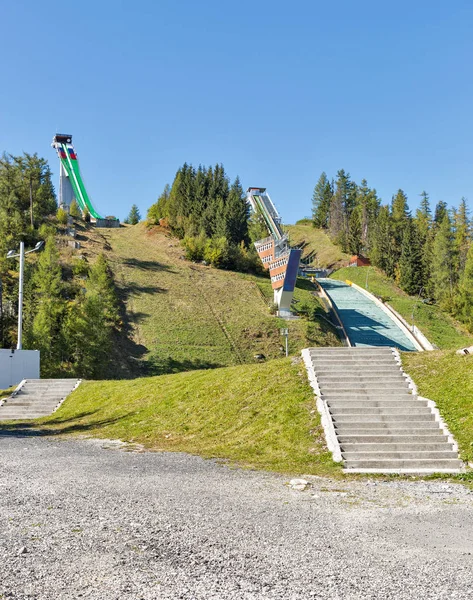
(36, 398)
(376, 423)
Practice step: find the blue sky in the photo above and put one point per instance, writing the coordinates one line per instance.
(276, 91)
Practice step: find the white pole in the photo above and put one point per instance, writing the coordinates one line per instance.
(20, 296)
(287, 348)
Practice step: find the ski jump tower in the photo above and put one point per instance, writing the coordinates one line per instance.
(274, 251)
(71, 184)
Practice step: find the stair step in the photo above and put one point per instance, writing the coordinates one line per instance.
(431, 464)
(359, 379)
(386, 426)
(434, 436)
(401, 395)
(399, 455)
(382, 404)
(369, 411)
(388, 433)
(395, 447)
(348, 350)
(349, 370)
(383, 418)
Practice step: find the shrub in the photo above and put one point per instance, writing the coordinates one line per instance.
(61, 216)
(74, 210)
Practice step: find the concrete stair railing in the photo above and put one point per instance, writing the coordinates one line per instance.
(36, 398)
(373, 421)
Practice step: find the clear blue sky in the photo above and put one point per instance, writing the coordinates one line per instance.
(276, 91)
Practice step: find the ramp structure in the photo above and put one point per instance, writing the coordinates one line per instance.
(274, 251)
(71, 184)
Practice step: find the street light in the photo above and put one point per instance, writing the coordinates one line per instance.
(11, 254)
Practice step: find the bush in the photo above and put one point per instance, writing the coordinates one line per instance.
(217, 252)
(86, 215)
(46, 230)
(74, 210)
(194, 247)
(61, 216)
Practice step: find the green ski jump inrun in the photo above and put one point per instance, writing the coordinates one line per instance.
(70, 168)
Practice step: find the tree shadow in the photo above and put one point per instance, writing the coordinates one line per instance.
(163, 365)
(134, 289)
(147, 265)
(58, 426)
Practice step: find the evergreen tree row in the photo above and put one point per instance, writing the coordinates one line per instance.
(210, 215)
(427, 254)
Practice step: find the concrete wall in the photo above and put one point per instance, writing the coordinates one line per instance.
(107, 223)
(16, 365)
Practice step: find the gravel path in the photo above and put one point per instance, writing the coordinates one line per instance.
(85, 519)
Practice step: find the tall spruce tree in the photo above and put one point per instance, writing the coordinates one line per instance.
(464, 298)
(440, 212)
(410, 262)
(443, 260)
(399, 217)
(47, 331)
(462, 235)
(338, 209)
(321, 199)
(382, 252)
(367, 204)
(134, 216)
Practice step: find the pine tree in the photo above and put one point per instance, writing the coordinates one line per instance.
(382, 251)
(50, 309)
(399, 217)
(338, 212)
(464, 298)
(367, 202)
(440, 212)
(410, 262)
(424, 216)
(321, 200)
(423, 224)
(442, 269)
(355, 244)
(100, 284)
(462, 235)
(134, 216)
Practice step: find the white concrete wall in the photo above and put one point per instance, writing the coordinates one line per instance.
(16, 365)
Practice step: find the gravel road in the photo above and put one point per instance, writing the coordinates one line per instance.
(87, 519)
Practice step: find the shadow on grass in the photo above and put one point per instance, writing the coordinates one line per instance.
(163, 365)
(147, 265)
(58, 426)
(134, 289)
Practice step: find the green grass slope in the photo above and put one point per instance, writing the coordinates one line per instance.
(184, 316)
(261, 416)
(316, 245)
(440, 328)
(447, 378)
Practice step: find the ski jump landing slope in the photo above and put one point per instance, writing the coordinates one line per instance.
(365, 323)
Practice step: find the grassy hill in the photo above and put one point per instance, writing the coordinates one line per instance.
(317, 247)
(439, 327)
(181, 316)
(261, 416)
(447, 378)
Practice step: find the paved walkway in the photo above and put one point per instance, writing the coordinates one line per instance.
(365, 323)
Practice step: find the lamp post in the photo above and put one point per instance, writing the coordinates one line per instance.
(11, 254)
